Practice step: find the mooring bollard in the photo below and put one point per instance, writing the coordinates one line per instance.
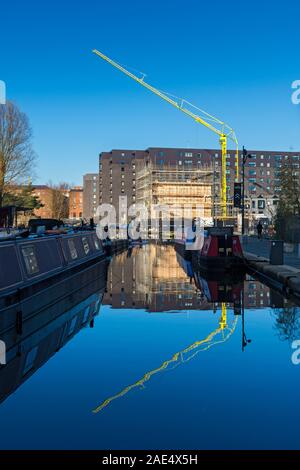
(276, 252)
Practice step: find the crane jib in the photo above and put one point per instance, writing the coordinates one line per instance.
(225, 132)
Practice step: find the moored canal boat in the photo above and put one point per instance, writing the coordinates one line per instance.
(39, 271)
(220, 251)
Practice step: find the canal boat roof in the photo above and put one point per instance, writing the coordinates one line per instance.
(27, 261)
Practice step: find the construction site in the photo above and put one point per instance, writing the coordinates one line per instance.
(227, 188)
(199, 187)
(177, 187)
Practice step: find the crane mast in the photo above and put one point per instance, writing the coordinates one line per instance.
(224, 131)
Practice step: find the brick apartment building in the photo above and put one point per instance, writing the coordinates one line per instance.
(76, 203)
(119, 169)
(55, 202)
(117, 175)
(90, 195)
(45, 195)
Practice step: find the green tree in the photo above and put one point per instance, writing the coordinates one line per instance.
(22, 197)
(288, 207)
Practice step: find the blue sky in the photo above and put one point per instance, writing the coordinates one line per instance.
(235, 59)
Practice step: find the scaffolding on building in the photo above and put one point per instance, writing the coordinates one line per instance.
(180, 186)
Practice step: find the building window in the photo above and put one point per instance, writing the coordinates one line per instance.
(86, 245)
(30, 259)
(72, 248)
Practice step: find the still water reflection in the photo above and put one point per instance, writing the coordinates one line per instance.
(173, 360)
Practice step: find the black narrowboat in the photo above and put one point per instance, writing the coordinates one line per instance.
(34, 272)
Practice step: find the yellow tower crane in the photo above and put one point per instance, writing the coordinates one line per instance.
(224, 131)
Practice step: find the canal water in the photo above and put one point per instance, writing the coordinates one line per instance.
(170, 359)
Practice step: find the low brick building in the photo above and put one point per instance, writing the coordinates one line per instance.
(76, 203)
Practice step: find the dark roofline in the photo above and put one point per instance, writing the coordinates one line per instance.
(185, 149)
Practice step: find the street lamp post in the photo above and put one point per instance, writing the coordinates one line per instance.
(245, 156)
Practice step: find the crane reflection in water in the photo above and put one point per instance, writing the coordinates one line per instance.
(160, 274)
(221, 334)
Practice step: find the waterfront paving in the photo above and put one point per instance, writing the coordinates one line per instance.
(261, 247)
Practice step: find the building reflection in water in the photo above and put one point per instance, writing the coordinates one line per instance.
(156, 278)
(152, 277)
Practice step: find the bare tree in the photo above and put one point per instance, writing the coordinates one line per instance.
(288, 322)
(60, 200)
(16, 154)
